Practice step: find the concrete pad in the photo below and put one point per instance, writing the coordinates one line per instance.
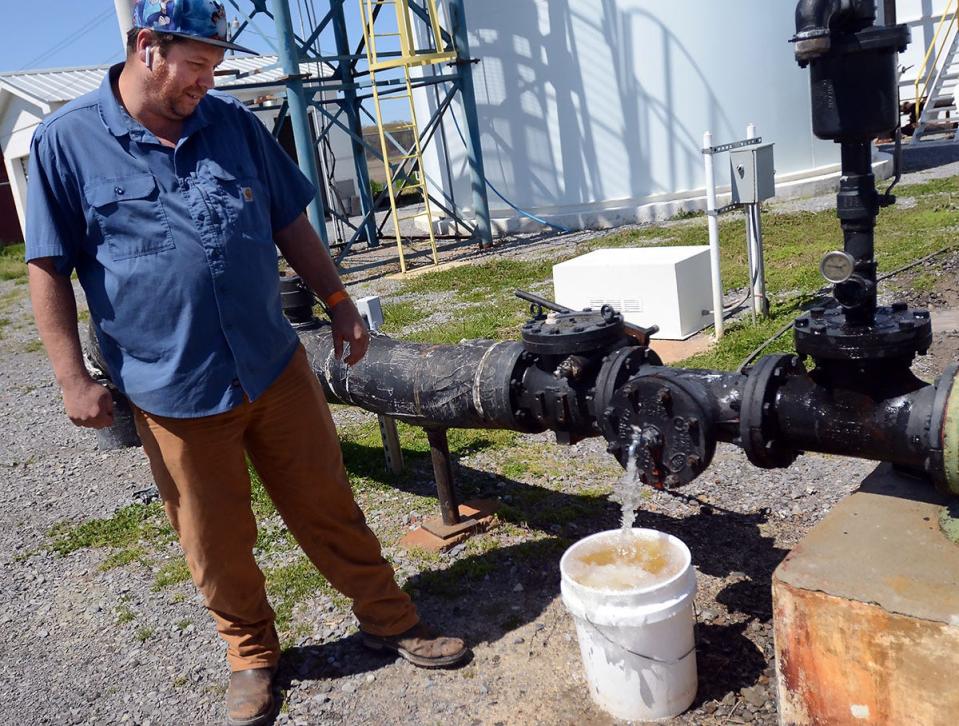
(866, 612)
(672, 351)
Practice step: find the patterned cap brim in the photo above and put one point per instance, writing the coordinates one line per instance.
(209, 41)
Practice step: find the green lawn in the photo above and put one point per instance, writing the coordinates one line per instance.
(794, 243)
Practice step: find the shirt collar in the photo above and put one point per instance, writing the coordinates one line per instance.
(113, 114)
(122, 123)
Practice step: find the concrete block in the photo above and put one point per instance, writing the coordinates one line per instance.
(866, 612)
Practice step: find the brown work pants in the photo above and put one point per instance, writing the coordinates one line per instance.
(200, 469)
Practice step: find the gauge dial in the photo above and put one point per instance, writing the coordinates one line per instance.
(837, 266)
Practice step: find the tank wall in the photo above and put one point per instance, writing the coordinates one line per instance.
(596, 102)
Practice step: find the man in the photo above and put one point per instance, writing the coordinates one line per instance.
(167, 198)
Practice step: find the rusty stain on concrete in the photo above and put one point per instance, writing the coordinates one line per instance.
(866, 612)
(846, 662)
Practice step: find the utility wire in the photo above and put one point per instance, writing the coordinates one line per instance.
(69, 39)
(495, 191)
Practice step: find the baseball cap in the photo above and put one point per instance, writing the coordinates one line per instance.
(203, 20)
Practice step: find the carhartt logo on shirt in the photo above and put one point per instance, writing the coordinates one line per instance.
(247, 194)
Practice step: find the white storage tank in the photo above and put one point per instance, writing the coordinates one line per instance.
(592, 112)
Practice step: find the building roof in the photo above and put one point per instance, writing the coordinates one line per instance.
(59, 85)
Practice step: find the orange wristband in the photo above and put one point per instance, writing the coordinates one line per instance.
(335, 299)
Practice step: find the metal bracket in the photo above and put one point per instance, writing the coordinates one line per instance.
(733, 145)
(723, 210)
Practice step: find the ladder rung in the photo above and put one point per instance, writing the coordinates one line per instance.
(404, 157)
(394, 97)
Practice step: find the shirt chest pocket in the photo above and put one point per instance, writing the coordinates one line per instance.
(130, 215)
(237, 201)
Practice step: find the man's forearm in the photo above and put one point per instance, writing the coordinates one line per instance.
(55, 311)
(303, 249)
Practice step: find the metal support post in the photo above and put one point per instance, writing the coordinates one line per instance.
(296, 99)
(372, 312)
(754, 239)
(443, 471)
(474, 149)
(351, 107)
(713, 222)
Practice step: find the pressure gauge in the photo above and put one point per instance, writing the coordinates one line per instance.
(837, 266)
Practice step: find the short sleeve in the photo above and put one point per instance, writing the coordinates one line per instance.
(290, 190)
(55, 222)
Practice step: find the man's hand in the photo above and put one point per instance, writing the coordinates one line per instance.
(348, 327)
(88, 403)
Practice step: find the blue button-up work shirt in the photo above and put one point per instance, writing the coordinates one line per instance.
(173, 247)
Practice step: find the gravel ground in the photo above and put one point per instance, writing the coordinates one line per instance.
(88, 645)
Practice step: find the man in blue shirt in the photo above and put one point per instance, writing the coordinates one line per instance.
(167, 198)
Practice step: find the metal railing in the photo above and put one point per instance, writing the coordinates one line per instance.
(926, 73)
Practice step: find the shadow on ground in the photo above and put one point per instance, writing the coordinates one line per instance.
(477, 596)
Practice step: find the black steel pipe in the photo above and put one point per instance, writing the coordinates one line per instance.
(434, 386)
(845, 421)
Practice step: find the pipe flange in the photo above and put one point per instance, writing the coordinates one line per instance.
(617, 368)
(896, 332)
(757, 423)
(665, 418)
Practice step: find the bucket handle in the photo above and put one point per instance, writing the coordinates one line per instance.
(654, 659)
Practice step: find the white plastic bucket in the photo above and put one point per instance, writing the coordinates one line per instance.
(638, 646)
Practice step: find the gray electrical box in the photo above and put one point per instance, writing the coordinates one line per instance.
(752, 173)
(371, 311)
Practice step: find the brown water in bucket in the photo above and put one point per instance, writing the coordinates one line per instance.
(625, 561)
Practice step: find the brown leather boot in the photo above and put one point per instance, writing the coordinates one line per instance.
(249, 699)
(421, 647)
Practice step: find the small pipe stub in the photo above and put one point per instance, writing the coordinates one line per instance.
(949, 483)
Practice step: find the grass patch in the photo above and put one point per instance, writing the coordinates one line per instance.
(401, 314)
(924, 282)
(262, 504)
(474, 283)
(124, 556)
(125, 614)
(13, 264)
(128, 528)
(33, 345)
(289, 585)
(144, 633)
(171, 573)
